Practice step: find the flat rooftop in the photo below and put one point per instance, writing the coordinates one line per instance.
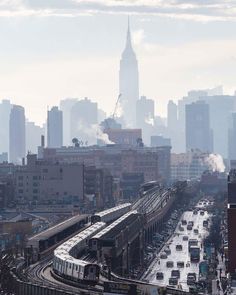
(52, 231)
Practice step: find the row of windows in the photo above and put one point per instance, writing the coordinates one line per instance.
(21, 184)
(21, 191)
(35, 177)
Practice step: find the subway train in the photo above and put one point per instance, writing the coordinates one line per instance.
(65, 263)
(95, 242)
(111, 214)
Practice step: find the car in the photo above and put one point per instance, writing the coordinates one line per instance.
(191, 223)
(175, 273)
(202, 212)
(180, 264)
(179, 247)
(195, 212)
(167, 251)
(181, 228)
(184, 222)
(159, 275)
(205, 223)
(196, 231)
(173, 281)
(191, 278)
(185, 238)
(169, 264)
(189, 227)
(163, 256)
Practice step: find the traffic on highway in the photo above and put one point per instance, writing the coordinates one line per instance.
(178, 263)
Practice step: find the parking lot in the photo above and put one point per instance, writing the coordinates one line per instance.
(173, 264)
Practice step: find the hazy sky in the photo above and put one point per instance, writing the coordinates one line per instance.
(53, 49)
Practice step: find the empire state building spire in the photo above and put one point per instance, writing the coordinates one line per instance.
(129, 82)
(128, 46)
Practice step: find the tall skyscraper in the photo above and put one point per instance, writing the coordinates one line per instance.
(221, 107)
(172, 116)
(84, 119)
(5, 110)
(65, 107)
(33, 136)
(145, 117)
(129, 83)
(198, 132)
(54, 128)
(17, 134)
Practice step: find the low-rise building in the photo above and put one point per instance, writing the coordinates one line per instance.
(42, 181)
(154, 162)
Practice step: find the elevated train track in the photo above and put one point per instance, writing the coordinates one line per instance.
(154, 205)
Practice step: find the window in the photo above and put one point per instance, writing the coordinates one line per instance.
(35, 191)
(20, 177)
(20, 184)
(35, 177)
(45, 170)
(20, 191)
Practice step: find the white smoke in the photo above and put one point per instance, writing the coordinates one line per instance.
(149, 121)
(215, 163)
(100, 135)
(91, 133)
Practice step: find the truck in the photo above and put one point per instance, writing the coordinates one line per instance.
(192, 242)
(194, 254)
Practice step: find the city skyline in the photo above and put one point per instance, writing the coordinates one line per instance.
(176, 52)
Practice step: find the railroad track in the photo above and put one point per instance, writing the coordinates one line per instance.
(37, 275)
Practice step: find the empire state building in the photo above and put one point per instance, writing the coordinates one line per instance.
(129, 83)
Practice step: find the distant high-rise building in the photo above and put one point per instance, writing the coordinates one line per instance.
(84, 119)
(65, 107)
(5, 109)
(198, 132)
(54, 128)
(33, 136)
(17, 134)
(158, 141)
(144, 111)
(129, 83)
(173, 127)
(232, 139)
(221, 108)
(172, 115)
(145, 115)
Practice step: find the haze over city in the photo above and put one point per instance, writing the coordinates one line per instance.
(117, 147)
(56, 49)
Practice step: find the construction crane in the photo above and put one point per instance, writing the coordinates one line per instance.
(114, 112)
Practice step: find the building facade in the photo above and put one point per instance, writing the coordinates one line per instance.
(198, 132)
(17, 134)
(231, 214)
(42, 181)
(154, 163)
(54, 128)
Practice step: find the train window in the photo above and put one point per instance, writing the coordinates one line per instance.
(91, 269)
(94, 242)
(69, 265)
(76, 267)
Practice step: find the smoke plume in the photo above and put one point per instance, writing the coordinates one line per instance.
(215, 163)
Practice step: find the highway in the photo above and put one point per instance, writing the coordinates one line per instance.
(159, 264)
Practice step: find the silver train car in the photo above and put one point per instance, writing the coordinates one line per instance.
(65, 263)
(95, 241)
(111, 214)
